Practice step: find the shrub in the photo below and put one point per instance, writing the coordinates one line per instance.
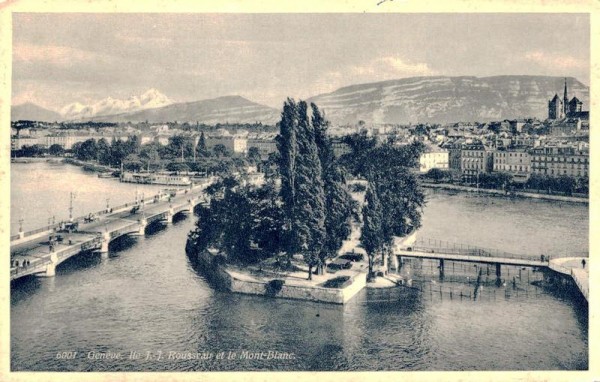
(274, 286)
(338, 282)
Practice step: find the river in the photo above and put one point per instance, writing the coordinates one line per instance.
(147, 296)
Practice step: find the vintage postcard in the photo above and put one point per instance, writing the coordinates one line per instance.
(375, 190)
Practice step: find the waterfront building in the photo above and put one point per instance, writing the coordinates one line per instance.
(433, 157)
(561, 159)
(475, 158)
(454, 149)
(514, 161)
(17, 142)
(65, 140)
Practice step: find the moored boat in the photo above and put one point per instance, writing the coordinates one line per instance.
(168, 179)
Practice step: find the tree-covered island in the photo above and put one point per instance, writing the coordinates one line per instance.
(311, 202)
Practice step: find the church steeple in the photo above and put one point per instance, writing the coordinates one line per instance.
(565, 100)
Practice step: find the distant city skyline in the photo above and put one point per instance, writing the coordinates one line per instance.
(64, 58)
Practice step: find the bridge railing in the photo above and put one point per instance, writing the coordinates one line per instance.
(433, 245)
(53, 227)
(32, 268)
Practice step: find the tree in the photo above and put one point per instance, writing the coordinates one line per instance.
(33, 151)
(177, 166)
(132, 162)
(288, 151)
(133, 144)
(566, 184)
(56, 150)
(201, 149)
(338, 202)
(118, 151)
(243, 223)
(387, 170)
(104, 153)
(149, 154)
(372, 230)
(435, 174)
(361, 147)
(301, 184)
(308, 222)
(254, 155)
(221, 151)
(87, 150)
(583, 185)
(181, 146)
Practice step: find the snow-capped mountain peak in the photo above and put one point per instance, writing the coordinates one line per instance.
(150, 99)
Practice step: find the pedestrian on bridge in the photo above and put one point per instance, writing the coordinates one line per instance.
(583, 263)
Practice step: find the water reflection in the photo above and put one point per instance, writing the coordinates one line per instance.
(149, 296)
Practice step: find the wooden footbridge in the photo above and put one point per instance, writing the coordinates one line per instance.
(442, 251)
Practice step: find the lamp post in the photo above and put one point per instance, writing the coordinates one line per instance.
(72, 196)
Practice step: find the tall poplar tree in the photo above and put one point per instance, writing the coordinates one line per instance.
(372, 237)
(309, 212)
(287, 147)
(338, 202)
(201, 149)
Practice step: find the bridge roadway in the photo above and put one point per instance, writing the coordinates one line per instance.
(33, 255)
(569, 266)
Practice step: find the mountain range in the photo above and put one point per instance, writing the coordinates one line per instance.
(232, 109)
(437, 99)
(110, 106)
(448, 99)
(32, 112)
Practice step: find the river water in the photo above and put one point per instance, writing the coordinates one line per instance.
(147, 296)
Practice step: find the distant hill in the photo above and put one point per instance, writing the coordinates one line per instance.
(231, 109)
(32, 112)
(447, 99)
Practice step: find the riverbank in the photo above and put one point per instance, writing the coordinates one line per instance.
(89, 165)
(522, 194)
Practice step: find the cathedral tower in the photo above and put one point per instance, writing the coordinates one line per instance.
(565, 101)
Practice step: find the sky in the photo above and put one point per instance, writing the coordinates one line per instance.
(60, 58)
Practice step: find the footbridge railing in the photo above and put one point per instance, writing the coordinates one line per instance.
(430, 245)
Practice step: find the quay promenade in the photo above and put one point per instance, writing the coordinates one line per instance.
(38, 252)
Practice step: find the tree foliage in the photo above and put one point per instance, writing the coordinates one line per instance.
(372, 230)
(242, 222)
(338, 202)
(56, 150)
(308, 214)
(393, 187)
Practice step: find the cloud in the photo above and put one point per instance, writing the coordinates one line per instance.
(151, 41)
(377, 69)
(392, 67)
(553, 60)
(57, 55)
